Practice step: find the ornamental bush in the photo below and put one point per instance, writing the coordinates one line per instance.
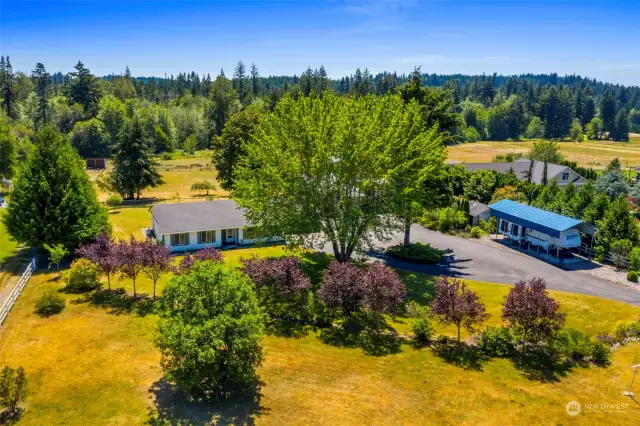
(634, 259)
(417, 252)
(632, 276)
(49, 304)
(209, 331)
(83, 276)
(421, 326)
(497, 341)
(476, 232)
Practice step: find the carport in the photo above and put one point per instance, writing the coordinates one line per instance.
(534, 229)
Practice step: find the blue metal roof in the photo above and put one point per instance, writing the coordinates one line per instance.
(533, 218)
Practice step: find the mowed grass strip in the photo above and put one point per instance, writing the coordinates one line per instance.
(596, 154)
(90, 366)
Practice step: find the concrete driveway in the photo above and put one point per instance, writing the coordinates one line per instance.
(480, 262)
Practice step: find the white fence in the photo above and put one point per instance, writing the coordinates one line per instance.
(8, 304)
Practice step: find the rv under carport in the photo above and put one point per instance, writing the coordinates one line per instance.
(550, 235)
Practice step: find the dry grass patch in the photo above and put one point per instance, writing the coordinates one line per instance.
(596, 154)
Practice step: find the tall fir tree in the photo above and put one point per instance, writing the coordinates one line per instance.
(41, 80)
(7, 85)
(85, 90)
(255, 79)
(607, 110)
(134, 168)
(53, 200)
(239, 80)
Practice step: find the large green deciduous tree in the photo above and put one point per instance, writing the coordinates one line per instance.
(90, 138)
(52, 200)
(210, 330)
(324, 165)
(230, 147)
(134, 168)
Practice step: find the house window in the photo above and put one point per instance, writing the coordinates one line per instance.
(515, 229)
(179, 239)
(565, 176)
(504, 226)
(229, 233)
(206, 237)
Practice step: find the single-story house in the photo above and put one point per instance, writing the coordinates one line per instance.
(96, 163)
(478, 212)
(537, 229)
(561, 174)
(197, 225)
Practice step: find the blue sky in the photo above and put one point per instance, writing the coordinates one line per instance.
(592, 38)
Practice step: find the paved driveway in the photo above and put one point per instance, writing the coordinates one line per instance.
(479, 262)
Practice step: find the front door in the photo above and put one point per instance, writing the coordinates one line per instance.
(229, 236)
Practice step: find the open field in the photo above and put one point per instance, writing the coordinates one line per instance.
(178, 180)
(95, 363)
(88, 365)
(596, 154)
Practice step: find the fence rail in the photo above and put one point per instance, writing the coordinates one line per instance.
(8, 304)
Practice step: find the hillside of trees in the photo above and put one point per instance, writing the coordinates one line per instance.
(189, 111)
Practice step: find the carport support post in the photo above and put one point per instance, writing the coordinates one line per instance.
(558, 253)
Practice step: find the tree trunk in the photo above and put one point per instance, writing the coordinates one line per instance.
(407, 228)
(134, 286)
(109, 281)
(458, 333)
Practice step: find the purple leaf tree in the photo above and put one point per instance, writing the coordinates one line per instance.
(383, 291)
(342, 287)
(188, 260)
(456, 304)
(104, 253)
(156, 261)
(131, 259)
(284, 274)
(529, 307)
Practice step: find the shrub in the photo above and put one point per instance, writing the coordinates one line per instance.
(421, 326)
(497, 341)
(620, 250)
(49, 304)
(84, 275)
(634, 259)
(114, 201)
(571, 345)
(489, 226)
(166, 156)
(627, 329)
(417, 252)
(632, 276)
(13, 389)
(600, 353)
(429, 219)
(476, 232)
(450, 219)
(210, 331)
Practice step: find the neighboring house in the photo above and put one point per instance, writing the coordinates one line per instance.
(561, 174)
(478, 212)
(96, 163)
(196, 225)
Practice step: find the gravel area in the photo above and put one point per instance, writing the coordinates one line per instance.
(609, 273)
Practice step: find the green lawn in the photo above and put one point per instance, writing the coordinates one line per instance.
(7, 244)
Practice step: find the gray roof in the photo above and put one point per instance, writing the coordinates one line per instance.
(521, 169)
(476, 208)
(198, 216)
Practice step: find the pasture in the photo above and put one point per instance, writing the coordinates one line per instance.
(178, 175)
(595, 154)
(96, 363)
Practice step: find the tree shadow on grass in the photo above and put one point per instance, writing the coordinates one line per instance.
(314, 264)
(356, 334)
(172, 407)
(288, 328)
(8, 417)
(119, 302)
(539, 366)
(459, 354)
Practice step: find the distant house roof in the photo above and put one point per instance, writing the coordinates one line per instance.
(198, 216)
(534, 218)
(476, 208)
(521, 169)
